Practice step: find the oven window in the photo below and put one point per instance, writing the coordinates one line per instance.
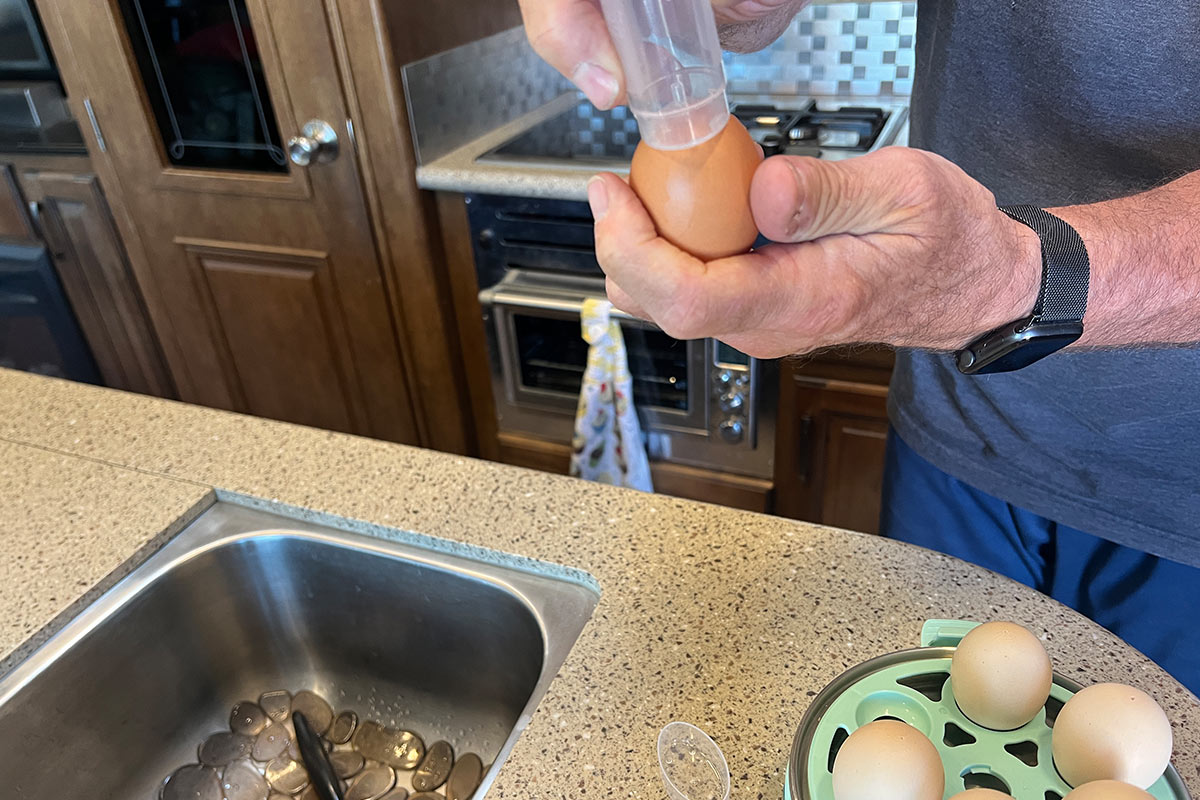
(553, 356)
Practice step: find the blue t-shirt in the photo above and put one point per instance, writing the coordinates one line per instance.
(1058, 104)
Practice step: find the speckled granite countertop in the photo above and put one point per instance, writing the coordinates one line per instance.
(461, 170)
(727, 619)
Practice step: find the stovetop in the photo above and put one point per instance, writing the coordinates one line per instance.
(584, 136)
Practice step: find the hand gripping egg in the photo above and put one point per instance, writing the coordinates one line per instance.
(693, 167)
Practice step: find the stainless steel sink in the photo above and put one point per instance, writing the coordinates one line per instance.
(242, 602)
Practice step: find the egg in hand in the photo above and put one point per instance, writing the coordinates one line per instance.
(699, 197)
(888, 760)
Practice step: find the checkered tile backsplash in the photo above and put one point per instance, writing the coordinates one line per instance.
(863, 49)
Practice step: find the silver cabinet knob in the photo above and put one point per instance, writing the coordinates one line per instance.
(318, 142)
(731, 401)
(732, 430)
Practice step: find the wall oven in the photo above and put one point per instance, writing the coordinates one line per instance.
(700, 402)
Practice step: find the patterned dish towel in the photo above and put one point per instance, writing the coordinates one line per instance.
(607, 446)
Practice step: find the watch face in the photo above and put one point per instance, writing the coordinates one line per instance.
(1015, 346)
(1025, 353)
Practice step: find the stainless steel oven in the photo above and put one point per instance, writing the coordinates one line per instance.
(700, 402)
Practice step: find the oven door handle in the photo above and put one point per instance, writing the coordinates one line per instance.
(500, 295)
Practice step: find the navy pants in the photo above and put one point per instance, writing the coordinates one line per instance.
(1150, 602)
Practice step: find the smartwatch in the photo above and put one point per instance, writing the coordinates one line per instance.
(1057, 318)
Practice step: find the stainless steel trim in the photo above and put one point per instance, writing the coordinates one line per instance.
(91, 113)
(563, 298)
(498, 295)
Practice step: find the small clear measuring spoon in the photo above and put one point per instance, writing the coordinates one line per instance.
(692, 766)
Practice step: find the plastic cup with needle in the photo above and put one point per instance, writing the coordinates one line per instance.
(692, 766)
(673, 74)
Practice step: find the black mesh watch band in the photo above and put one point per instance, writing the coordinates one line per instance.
(1057, 318)
(1065, 267)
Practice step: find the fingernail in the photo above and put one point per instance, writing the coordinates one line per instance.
(597, 194)
(597, 83)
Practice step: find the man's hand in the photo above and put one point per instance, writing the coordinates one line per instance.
(899, 246)
(572, 36)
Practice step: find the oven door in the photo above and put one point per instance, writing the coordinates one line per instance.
(539, 356)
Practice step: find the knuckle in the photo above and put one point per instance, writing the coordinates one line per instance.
(686, 316)
(607, 252)
(548, 42)
(924, 177)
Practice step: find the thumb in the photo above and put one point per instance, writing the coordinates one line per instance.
(798, 199)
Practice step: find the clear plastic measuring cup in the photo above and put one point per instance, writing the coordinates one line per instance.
(674, 78)
(692, 766)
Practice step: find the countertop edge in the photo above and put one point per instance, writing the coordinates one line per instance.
(460, 171)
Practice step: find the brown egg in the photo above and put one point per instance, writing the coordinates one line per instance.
(1000, 675)
(888, 760)
(699, 198)
(1111, 732)
(981, 794)
(1108, 790)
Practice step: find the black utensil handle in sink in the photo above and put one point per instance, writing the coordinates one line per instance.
(320, 772)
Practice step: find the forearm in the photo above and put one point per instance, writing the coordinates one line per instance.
(1145, 266)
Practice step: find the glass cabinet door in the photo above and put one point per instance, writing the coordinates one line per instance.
(203, 77)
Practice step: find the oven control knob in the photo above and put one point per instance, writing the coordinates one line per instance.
(486, 237)
(731, 401)
(732, 429)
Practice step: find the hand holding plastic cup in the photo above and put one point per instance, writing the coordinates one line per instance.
(692, 766)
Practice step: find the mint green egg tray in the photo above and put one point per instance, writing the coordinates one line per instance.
(913, 686)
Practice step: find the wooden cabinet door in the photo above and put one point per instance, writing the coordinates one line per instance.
(261, 276)
(855, 447)
(14, 221)
(831, 438)
(74, 220)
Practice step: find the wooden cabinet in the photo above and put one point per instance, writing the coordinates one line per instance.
(261, 275)
(831, 439)
(14, 221)
(73, 218)
(678, 480)
(58, 200)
